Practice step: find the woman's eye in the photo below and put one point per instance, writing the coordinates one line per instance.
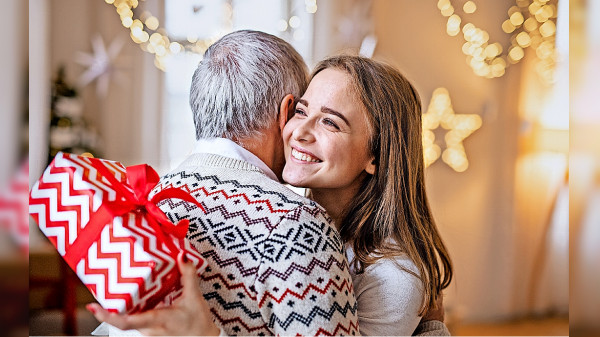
(331, 123)
(300, 112)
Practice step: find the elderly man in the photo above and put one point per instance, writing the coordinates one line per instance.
(276, 263)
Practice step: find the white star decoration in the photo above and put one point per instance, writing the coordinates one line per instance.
(101, 64)
(440, 113)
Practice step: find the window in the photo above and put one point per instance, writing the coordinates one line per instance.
(206, 19)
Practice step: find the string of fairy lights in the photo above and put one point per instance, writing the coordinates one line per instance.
(146, 31)
(531, 23)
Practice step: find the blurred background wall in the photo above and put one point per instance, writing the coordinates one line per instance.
(505, 217)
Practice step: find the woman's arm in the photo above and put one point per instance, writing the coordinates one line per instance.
(389, 299)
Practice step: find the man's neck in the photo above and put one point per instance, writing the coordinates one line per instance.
(268, 147)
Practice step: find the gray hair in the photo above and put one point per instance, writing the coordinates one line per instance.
(240, 83)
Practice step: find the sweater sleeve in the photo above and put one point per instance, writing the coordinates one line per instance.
(432, 328)
(388, 300)
(303, 285)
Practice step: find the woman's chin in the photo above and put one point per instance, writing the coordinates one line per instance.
(294, 179)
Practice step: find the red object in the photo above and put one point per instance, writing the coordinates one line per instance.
(119, 243)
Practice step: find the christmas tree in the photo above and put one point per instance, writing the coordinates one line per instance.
(69, 131)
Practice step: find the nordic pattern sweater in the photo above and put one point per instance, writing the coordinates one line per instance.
(276, 264)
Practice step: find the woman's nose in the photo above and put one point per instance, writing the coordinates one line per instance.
(303, 130)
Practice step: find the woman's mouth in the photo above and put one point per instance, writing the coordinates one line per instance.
(302, 156)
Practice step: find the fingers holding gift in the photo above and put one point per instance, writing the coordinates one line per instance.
(189, 277)
(157, 322)
(144, 320)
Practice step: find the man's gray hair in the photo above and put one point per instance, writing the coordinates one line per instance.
(239, 84)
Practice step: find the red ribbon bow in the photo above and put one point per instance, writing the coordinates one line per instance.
(142, 179)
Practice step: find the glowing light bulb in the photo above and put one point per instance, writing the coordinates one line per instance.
(469, 7)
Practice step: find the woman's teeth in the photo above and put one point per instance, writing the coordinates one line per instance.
(303, 156)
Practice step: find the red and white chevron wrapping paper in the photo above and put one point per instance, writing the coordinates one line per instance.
(121, 258)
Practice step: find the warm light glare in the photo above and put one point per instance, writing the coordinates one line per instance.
(535, 8)
(513, 10)
(192, 38)
(175, 47)
(443, 4)
(498, 70)
(516, 53)
(545, 50)
(294, 22)
(453, 25)
(282, 25)
(156, 39)
(447, 11)
(122, 9)
(127, 21)
(136, 31)
(508, 27)
(152, 23)
(459, 127)
(547, 29)
(137, 23)
(158, 43)
(161, 50)
(517, 19)
(547, 11)
(530, 24)
(491, 51)
(469, 7)
(523, 39)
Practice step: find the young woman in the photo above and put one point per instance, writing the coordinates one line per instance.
(355, 141)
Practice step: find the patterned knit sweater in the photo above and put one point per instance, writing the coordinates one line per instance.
(276, 265)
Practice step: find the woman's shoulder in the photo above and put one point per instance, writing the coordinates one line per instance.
(389, 296)
(399, 263)
(390, 272)
(395, 271)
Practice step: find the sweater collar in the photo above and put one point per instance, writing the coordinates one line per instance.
(227, 148)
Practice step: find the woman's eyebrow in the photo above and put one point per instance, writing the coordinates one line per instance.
(327, 111)
(333, 112)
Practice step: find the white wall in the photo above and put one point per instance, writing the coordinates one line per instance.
(474, 209)
(127, 118)
(12, 84)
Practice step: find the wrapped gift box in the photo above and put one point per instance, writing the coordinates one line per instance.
(122, 247)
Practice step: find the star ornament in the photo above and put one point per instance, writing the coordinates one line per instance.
(459, 126)
(101, 64)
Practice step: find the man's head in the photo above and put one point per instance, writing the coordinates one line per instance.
(239, 85)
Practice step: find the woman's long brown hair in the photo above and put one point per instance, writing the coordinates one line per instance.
(391, 216)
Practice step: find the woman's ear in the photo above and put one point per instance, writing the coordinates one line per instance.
(286, 110)
(371, 167)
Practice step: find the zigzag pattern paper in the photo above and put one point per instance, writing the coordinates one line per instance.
(126, 267)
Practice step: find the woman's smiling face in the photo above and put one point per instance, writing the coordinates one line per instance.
(326, 141)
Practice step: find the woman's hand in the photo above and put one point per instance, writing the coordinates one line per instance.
(436, 314)
(189, 315)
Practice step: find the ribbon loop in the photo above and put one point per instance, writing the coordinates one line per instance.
(142, 179)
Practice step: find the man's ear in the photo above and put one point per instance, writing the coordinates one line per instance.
(371, 167)
(286, 110)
